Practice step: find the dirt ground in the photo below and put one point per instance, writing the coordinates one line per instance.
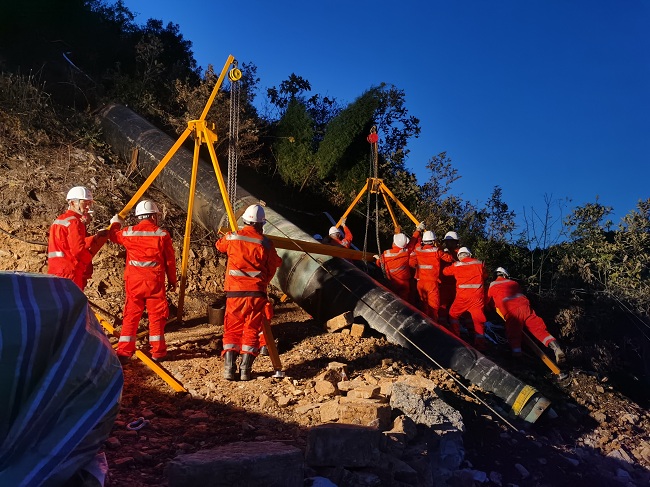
(600, 435)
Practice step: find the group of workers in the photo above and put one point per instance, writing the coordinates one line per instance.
(151, 263)
(445, 282)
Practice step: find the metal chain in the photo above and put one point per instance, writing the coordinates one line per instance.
(233, 141)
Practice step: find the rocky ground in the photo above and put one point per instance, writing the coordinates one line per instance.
(600, 434)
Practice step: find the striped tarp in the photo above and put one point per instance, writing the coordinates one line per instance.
(60, 381)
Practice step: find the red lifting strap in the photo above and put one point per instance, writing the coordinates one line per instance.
(373, 138)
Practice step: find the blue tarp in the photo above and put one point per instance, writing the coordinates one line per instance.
(60, 381)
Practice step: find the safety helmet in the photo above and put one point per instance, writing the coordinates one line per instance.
(334, 232)
(502, 272)
(428, 237)
(451, 236)
(146, 207)
(254, 214)
(79, 193)
(464, 250)
(400, 240)
(318, 236)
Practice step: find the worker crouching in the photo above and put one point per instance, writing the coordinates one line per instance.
(506, 297)
(252, 262)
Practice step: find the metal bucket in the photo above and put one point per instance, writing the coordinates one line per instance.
(215, 313)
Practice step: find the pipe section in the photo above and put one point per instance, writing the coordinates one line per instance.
(323, 286)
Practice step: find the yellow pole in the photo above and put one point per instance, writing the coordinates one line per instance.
(161, 165)
(399, 203)
(356, 200)
(215, 90)
(188, 226)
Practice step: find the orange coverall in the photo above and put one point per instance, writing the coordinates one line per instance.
(446, 288)
(252, 262)
(67, 254)
(149, 258)
(345, 242)
(505, 295)
(470, 293)
(399, 273)
(426, 260)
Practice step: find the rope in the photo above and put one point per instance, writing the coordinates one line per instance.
(233, 141)
(398, 331)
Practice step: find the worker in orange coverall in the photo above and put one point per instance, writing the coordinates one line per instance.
(395, 264)
(426, 260)
(470, 295)
(447, 287)
(67, 250)
(504, 295)
(252, 262)
(338, 237)
(149, 259)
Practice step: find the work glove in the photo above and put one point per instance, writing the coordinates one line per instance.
(376, 257)
(343, 222)
(421, 226)
(117, 219)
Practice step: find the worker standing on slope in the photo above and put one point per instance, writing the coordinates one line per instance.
(426, 260)
(338, 237)
(252, 262)
(447, 285)
(470, 294)
(504, 295)
(67, 251)
(395, 263)
(149, 259)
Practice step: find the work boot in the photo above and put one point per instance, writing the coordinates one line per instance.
(245, 366)
(560, 357)
(480, 343)
(229, 365)
(264, 351)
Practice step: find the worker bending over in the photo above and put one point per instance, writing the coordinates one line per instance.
(504, 295)
(149, 259)
(338, 237)
(252, 262)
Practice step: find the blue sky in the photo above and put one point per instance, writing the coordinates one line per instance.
(538, 97)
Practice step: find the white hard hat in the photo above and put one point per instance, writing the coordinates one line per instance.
(318, 237)
(79, 193)
(464, 250)
(451, 236)
(501, 270)
(335, 231)
(400, 240)
(146, 207)
(254, 214)
(428, 236)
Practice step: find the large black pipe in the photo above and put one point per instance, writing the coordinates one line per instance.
(324, 286)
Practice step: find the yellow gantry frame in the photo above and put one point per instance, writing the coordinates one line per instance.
(376, 185)
(202, 135)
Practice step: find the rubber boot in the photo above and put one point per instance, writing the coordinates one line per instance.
(264, 350)
(560, 357)
(229, 365)
(245, 366)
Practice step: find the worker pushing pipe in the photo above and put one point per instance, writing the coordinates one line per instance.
(323, 286)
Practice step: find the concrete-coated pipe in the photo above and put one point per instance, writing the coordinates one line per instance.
(323, 286)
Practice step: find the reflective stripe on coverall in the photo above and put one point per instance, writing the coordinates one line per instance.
(427, 260)
(149, 258)
(447, 289)
(252, 262)
(67, 255)
(470, 295)
(505, 295)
